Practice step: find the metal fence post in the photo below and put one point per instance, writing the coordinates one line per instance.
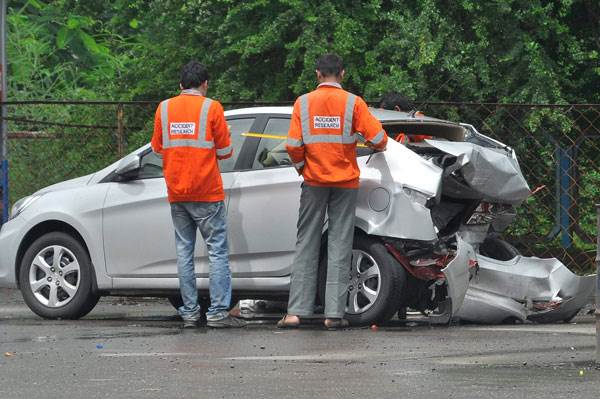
(597, 312)
(120, 131)
(3, 124)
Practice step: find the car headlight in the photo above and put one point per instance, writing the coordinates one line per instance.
(21, 204)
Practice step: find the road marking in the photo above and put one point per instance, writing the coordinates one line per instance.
(150, 354)
(312, 357)
(307, 357)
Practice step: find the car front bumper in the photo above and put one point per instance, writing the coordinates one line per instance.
(11, 235)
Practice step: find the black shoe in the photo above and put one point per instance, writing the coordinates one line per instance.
(190, 324)
(226, 322)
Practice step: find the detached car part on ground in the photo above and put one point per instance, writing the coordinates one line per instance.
(511, 288)
(418, 223)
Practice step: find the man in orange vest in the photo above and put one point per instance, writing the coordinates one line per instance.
(191, 133)
(322, 146)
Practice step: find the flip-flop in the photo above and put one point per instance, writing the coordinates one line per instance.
(336, 324)
(283, 324)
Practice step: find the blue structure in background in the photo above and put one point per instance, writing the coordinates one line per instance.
(4, 186)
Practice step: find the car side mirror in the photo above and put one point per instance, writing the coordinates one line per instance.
(129, 166)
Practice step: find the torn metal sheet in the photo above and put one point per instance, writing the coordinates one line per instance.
(457, 279)
(524, 288)
(490, 174)
(395, 185)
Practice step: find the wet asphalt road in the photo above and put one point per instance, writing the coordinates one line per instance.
(135, 349)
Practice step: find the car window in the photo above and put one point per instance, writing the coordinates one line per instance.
(236, 128)
(271, 151)
(152, 166)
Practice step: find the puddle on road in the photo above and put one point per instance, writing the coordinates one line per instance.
(128, 334)
(99, 336)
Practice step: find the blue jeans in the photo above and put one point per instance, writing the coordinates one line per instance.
(209, 218)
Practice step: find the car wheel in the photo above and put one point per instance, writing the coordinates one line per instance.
(56, 278)
(497, 248)
(376, 282)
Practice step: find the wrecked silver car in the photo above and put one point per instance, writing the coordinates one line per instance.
(423, 211)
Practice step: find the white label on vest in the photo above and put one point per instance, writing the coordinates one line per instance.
(182, 128)
(326, 122)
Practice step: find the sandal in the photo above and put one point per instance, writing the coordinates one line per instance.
(336, 324)
(283, 323)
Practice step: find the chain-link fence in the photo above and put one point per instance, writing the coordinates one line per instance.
(557, 146)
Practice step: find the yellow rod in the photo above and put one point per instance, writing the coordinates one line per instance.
(278, 137)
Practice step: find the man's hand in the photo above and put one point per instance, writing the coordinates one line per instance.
(372, 147)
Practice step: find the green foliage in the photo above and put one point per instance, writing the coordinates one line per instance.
(56, 52)
(506, 51)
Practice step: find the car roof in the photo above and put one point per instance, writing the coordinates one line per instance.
(407, 122)
(259, 111)
(383, 115)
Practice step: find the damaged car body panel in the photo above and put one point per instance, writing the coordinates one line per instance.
(524, 288)
(458, 276)
(395, 186)
(488, 174)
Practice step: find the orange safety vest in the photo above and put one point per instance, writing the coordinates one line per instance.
(413, 138)
(322, 137)
(191, 132)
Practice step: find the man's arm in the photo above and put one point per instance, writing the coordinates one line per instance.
(157, 140)
(295, 144)
(220, 130)
(369, 126)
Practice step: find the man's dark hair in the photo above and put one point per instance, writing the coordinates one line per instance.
(394, 99)
(193, 74)
(330, 65)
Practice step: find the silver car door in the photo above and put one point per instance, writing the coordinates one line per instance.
(138, 231)
(263, 207)
(139, 240)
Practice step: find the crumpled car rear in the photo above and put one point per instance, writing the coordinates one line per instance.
(524, 288)
(487, 174)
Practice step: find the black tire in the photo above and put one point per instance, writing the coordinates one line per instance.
(391, 286)
(570, 317)
(84, 298)
(497, 248)
(402, 313)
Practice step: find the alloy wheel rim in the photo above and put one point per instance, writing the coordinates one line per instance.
(365, 283)
(54, 276)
